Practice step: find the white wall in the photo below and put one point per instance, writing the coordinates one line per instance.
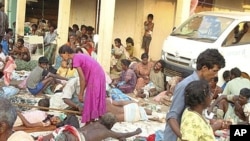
(82, 12)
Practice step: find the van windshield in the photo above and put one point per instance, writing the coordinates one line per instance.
(204, 28)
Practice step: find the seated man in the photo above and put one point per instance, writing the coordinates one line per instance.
(233, 107)
(20, 51)
(156, 81)
(89, 132)
(8, 116)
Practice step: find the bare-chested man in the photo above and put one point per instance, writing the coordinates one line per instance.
(95, 131)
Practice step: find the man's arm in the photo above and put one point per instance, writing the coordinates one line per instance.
(121, 136)
(27, 123)
(216, 102)
(176, 109)
(57, 76)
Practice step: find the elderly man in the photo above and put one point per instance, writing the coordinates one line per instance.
(8, 116)
(89, 132)
(155, 84)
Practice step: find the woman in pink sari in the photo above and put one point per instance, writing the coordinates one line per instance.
(92, 81)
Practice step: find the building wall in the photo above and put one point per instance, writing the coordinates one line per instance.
(83, 12)
(129, 18)
(233, 5)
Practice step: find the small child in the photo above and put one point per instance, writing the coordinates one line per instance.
(66, 71)
(39, 79)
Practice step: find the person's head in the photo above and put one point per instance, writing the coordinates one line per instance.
(150, 17)
(208, 63)
(65, 52)
(84, 38)
(34, 27)
(55, 120)
(9, 31)
(90, 30)
(83, 29)
(44, 103)
(235, 72)
(43, 62)
(52, 28)
(226, 75)
(197, 93)
(244, 96)
(108, 120)
(20, 42)
(64, 64)
(8, 117)
(2, 7)
(118, 42)
(125, 64)
(144, 58)
(75, 27)
(72, 38)
(159, 65)
(129, 40)
(214, 82)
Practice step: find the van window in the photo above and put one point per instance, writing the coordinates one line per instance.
(204, 28)
(239, 36)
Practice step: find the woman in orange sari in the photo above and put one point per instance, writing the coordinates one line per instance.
(142, 71)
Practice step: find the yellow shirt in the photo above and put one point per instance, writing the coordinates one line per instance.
(68, 73)
(195, 128)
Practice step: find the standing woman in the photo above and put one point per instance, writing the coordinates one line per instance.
(92, 81)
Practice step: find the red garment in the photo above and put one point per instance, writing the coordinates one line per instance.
(151, 137)
(10, 66)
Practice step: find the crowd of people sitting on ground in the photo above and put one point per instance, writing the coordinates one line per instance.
(77, 82)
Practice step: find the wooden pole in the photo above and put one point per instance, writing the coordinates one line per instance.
(46, 108)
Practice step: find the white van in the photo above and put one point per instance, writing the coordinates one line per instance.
(226, 31)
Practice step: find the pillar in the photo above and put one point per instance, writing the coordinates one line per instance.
(20, 17)
(63, 22)
(107, 11)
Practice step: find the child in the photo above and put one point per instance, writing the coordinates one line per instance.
(148, 27)
(66, 71)
(39, 79)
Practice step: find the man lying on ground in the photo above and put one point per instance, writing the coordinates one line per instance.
(130, 111)
(43, 119)
(95, 131)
